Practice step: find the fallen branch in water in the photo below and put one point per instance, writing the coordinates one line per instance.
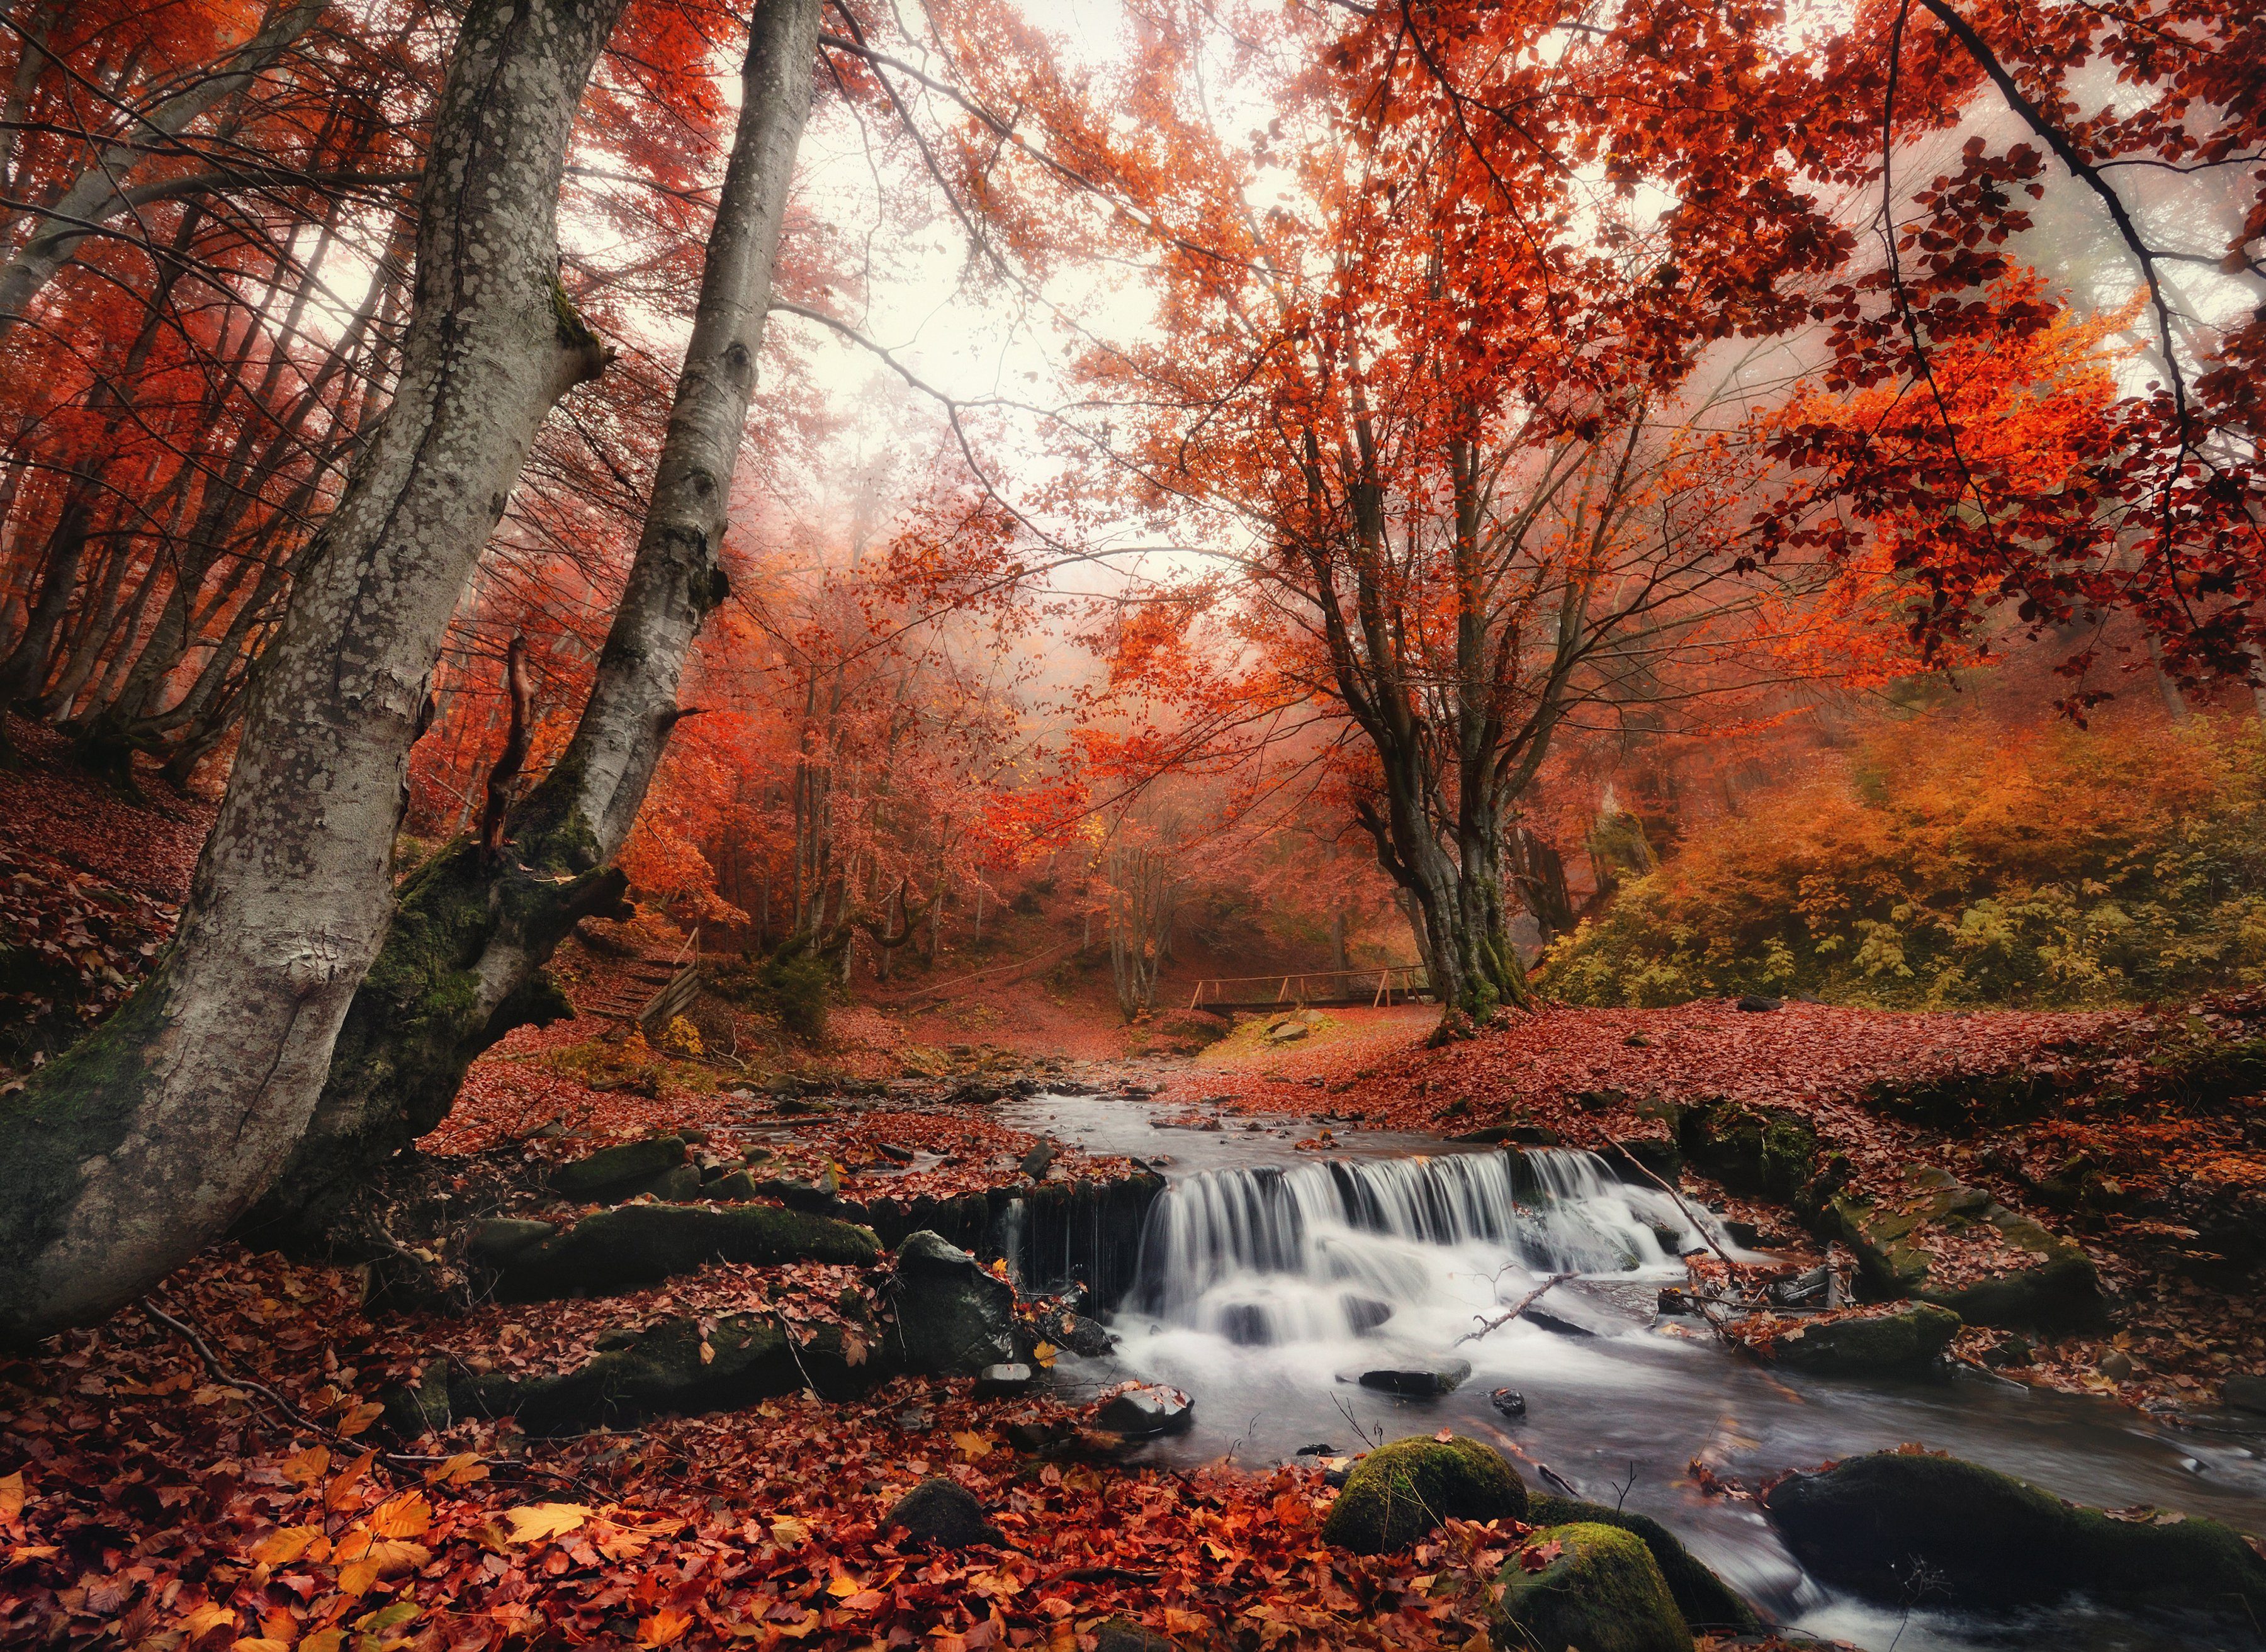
(1698, 1226)
(1517, 1308)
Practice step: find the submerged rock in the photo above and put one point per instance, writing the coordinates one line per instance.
(954, 1316)
(1419, 1380)
(635, 1245)
(1704, 1599)
(1601, 1592)
(1145, 1410)
(1400, 1492)
(1990, 1540)
(940, 1512)
(1901, 1336)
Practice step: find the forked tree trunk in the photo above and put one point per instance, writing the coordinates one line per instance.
(464, 962)
(155, 1133)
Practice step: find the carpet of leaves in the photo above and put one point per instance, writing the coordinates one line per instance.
(149, 1499)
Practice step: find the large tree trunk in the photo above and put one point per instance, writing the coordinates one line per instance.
(156, 1133)
(465, 964)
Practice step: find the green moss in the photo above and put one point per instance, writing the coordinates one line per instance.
(573, 332)
(1400, 1492)
(1910, 1336)
(1704, 1599)
(1602, 1593)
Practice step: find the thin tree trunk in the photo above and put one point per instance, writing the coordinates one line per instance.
(156, 1133)
(464, 962)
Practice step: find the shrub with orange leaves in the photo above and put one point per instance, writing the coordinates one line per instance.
(1958, 865)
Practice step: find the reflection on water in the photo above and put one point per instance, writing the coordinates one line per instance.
(1267, 1276)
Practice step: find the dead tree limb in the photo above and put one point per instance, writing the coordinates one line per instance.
(519, 684)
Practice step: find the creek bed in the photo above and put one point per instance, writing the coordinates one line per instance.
(1263, 1269)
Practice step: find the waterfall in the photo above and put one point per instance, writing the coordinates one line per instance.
(1338, 1247)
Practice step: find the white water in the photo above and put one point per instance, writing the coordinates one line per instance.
(1402, 1248)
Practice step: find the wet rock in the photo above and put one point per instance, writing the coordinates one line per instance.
(1244, 1324)
(1602, 1592)
(620, 1173)
(1755, 1004)
(1122, 1635)
(954, 1316)
(1419, 1380)
(1990, 1540)
(1745, 1235)
(1145, 1410)
(1631, 1160)
(2058, 1288)
(1556, 1324)
(2244, 1393)
(2116, 1365)
(2012, 1352)
(1364, 1314)
(1003, 1382)
(1901, 1336)
(1037, 1161)
(1400, 1492)
(497, 1240)
(1704, 1599)
(1080, 1336)
(1509, 1401)
(940, 1512)
(642, 1244)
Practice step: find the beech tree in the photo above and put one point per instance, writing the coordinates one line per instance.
(157, 1132)
(463, 963)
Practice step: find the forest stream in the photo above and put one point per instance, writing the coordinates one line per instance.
(1271, 1275)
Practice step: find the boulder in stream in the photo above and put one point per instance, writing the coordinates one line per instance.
(1704, 1599)
(1400, 1492)
(634, 1245)
(1419, 1380)
(1990, 1541)
(2056, 1288)
(1598, 1591)
(1146, 1409)
(954, 1316)
(1898, 1336)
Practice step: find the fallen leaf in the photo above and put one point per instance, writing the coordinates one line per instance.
(538, 1523)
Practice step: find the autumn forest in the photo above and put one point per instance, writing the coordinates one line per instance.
(1132, 825)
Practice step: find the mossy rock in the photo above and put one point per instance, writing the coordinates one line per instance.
(1989, 1540)
(1754, 1149)
(635, 1245)
(1704, 1599)
(658, 1370)
(1903, 1337)
(1400, 1492)
(1602, 1593)
(2058, 1291)
(604, 1173)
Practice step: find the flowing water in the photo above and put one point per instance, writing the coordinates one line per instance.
(1270, 1277)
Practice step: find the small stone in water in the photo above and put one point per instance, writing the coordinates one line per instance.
(1420, 1381)
(1509, 1401)
(998, 1382)
(1324, 1449)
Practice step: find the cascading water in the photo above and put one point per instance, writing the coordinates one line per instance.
(1323, 1251)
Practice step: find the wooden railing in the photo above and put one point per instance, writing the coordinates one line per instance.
(677, 992)
(1326, 986)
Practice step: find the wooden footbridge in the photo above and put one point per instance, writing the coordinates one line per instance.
(1394, 983)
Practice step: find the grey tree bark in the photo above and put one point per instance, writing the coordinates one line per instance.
(101, 193)
(466, 961)
(152, 1136)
